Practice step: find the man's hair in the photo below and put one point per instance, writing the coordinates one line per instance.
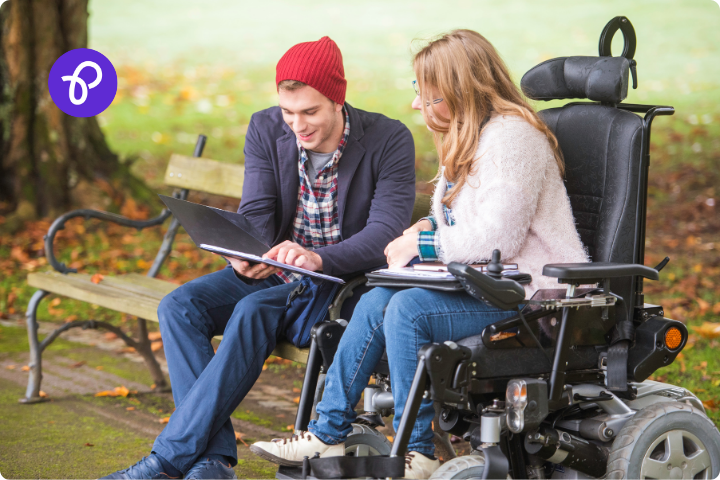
(291, 85)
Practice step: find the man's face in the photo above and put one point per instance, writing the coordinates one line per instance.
(313, 118)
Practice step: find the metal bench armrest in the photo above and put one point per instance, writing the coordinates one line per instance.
(59, 224)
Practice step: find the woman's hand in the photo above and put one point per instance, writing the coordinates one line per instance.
(423, 225)
(400, 251)
(293, 254)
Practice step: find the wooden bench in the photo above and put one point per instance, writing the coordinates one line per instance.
(140, 295)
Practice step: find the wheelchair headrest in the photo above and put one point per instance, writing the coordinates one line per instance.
(602, 79)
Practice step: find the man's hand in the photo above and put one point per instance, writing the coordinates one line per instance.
(259, 271)
(293, 254)
(400, 251)
(423, 225)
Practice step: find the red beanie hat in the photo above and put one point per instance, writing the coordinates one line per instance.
(318, 64)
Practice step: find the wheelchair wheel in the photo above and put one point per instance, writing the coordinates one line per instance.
(365, 441)
(666, 440)
(468, 466)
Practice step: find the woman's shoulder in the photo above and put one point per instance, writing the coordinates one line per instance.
(513, 133)
(513, 126)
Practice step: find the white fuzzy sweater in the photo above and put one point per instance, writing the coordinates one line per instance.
(514, 200)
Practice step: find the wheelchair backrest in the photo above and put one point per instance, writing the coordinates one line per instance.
(602, 148)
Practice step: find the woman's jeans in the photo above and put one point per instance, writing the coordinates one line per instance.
(400, 321)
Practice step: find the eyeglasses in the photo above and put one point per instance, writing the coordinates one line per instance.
(417, 91)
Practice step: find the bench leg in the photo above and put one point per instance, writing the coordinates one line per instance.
(144, 348)
(32, 394)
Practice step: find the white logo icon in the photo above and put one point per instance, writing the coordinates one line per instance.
(74, 78)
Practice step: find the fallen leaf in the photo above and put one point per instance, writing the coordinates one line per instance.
(55, 302)
(25, 368)
(711, 405)
(389, 437)
(71, 318)
(164, 420)
(110, 335)
(78, 364)
(716, 309)
(154, 336)
(130, 409)
(155, 346)
(708, 330)
(282, 415)
(239, 438)
(121, 391)
(296, 390)
(43, 394)
(99, 367)
(89, 445)
(704, 306)
(134, 400)
(296, 400)
(290, 428)
(97, 278)
(10, 367)
(153, 386)
(126, 350)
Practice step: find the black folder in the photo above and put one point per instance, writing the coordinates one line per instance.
(227, 233)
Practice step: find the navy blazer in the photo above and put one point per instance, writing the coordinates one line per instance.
(376, 186)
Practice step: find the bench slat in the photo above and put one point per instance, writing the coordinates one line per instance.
(133, 294)
(204, 175)
(289, 351)
(114, 293)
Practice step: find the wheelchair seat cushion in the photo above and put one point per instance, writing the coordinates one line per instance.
(603, 79)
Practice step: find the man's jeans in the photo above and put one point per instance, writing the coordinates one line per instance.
(208, 386)
(400, 321)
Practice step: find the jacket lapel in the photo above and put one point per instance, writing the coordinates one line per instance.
(351, 157)
(288, 172)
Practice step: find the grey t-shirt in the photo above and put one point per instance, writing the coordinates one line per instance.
(316, 162)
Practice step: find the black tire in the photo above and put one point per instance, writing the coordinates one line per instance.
(467, 466)
(461, 468)
(366, 441)
(661, 434)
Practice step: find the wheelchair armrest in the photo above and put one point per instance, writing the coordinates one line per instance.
(503, 293)
(585, 273)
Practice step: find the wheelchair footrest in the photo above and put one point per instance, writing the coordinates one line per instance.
(379, 466)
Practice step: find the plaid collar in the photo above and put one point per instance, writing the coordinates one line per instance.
(302, 154)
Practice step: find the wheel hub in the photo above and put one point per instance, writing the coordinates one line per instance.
(676, 454)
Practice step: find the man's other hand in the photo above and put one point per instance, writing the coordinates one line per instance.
(293, 254)
(259, 271)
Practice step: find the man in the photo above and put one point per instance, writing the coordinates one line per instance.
(329, 186)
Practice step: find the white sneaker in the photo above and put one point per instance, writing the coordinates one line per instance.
(291, 451)
(418, 465)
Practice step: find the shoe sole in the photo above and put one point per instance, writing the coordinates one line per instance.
(274, 459)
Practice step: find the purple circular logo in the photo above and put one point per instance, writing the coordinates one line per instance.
(82, 82)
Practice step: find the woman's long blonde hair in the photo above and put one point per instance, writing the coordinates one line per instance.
(474, 82)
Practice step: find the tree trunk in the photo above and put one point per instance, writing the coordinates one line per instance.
(44, 151)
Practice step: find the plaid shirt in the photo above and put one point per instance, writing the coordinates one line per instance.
(316, 221)
(429, 241)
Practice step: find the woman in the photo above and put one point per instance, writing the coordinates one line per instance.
(499, 186)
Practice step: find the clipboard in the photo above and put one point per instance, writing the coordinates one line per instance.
(229, 234)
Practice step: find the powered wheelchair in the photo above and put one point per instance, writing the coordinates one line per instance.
(560, 390)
